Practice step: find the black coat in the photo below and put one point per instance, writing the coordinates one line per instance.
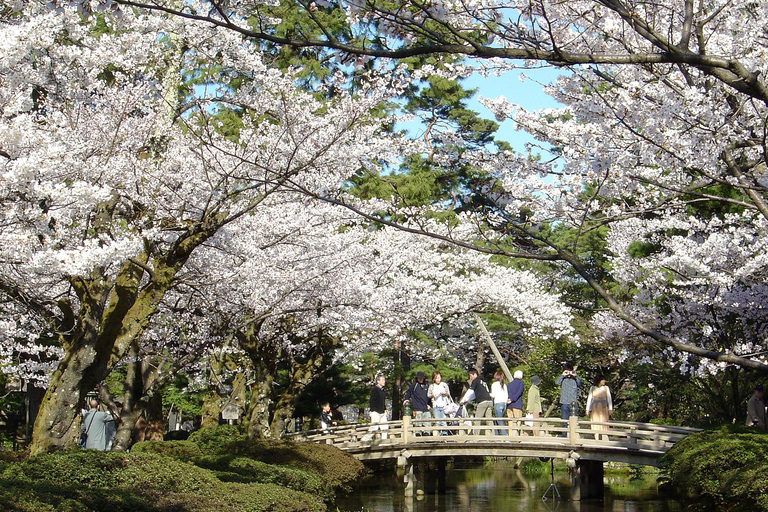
(378, 401)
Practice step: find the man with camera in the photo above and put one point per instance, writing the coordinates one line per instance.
(569, 384)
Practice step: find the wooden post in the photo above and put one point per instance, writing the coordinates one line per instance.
(587, 480)
(494, 349)
(573, 423)
(441, 463)
(406, 427)
(408, 478)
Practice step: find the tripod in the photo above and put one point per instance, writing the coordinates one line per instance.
(552, 486)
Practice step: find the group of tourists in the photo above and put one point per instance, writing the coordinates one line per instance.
(433, 400)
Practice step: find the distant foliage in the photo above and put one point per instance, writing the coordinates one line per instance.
(720, 469)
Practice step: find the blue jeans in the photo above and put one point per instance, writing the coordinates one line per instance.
(437, 412)
(498, 411)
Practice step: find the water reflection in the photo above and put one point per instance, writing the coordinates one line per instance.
(501, 490)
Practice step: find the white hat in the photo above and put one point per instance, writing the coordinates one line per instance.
(518, 374)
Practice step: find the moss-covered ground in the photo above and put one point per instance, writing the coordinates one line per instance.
(215, 470)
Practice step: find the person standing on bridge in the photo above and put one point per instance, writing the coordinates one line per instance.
(378, 406)
(599, 404)
(417, 394)
(569, 384)
(534, 402)
(500, 400)
(515, 391)
(756, 416)
(478, 391)
(440, 394)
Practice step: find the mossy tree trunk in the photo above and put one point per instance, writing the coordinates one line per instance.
(112, 315)
(270, 410)
(211, 409)
(301, 374)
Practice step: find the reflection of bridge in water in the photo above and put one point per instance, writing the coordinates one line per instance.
(583, 444)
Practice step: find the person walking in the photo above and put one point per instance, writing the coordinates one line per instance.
(478, 391)
(417, 394)
(500, 400)
(599, 404)
(440, 395)
(533, 407)
(756, 416)
(94, 427)
(569, 384)
(378, 406)
(515, 391)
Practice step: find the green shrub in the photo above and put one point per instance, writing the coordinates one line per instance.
(218, 440)
(110, 470)
(720, 468)
(183, 450)
(92, 481)
(230, 468)
(234, 497)
(335, 467)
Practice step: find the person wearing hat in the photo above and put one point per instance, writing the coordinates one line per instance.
(756, 409)
(515, 390)
(533, 407)
(417, 394)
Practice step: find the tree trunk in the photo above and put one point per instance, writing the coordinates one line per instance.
(155, 429)
(259, 410)
(112, 315)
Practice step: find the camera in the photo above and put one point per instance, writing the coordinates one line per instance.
(568, 373)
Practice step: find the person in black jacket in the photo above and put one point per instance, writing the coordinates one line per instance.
(326, 419)
(478, 392)
(378, 406)
(417, 394)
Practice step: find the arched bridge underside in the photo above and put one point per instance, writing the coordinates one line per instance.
(580, 440)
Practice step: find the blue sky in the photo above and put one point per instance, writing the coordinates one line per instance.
(527, 93)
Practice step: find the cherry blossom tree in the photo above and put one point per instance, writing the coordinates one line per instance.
(110, 183)
(665, 109)
(300, 289)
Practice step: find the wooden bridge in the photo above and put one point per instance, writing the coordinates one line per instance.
(584, 444)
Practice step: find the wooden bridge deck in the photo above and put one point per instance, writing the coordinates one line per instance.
(634, 443)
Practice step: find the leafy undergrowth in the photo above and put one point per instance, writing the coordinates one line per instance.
(720, 469)
(225, 472)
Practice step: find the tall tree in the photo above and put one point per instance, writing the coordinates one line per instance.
(665, 107)
(105, 197)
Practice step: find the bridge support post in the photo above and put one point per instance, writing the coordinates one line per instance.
(587, 480)
(434, 477)
(441, 463)
(408, 479)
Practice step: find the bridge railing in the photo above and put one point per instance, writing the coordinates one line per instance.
(573, 432)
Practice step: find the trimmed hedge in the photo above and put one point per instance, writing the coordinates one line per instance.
(217, 470)
(93, 481)
(229, 468)
(720, 469)
(182, 450)
(333, 466)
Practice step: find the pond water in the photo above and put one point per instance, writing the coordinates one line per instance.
(501, 488)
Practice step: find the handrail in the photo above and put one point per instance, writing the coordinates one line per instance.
(574, 433)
